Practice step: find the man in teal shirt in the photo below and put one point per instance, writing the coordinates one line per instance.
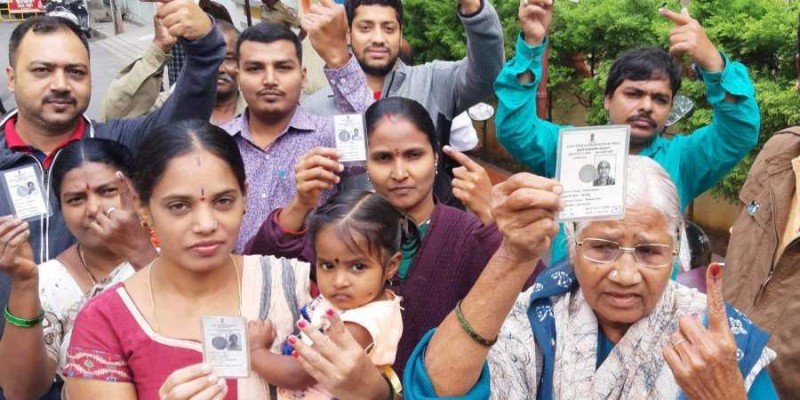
(639, 92)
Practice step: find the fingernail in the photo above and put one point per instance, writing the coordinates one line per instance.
(205, 368)
(292, 340)
(338, 179)
(301, 324)
(295, 355)
(120, 175)
(715, 271)
(558, 189)
(341, 167)
(222, 382)
(213, 378)
(330, 312)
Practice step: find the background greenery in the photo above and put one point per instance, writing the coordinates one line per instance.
(759, 33)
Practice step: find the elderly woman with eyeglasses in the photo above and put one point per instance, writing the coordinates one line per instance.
(608, 324)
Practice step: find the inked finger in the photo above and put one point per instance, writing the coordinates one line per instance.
(717, 314)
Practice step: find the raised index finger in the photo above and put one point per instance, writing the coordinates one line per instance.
(461, 158)
(681, 18)
(717, 315)
(126, 192)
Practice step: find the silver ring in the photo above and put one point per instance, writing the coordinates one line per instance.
(679, 342)
(110, 211)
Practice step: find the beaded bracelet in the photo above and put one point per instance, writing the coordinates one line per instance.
(467, 328)
(23, 322)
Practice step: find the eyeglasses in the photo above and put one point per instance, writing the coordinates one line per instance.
(650, 255)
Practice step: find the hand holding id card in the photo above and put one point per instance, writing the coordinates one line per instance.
(225, 346)
(351, 138)
(591, 167)
(25, 193)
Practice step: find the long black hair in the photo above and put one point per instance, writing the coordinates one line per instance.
(176, 139)
(80, 152)
(356, 214)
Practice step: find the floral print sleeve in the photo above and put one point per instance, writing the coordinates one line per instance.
(95, 351)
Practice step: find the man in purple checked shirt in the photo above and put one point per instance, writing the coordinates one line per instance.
(274, 132)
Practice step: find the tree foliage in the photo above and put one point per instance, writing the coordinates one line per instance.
(758, 33)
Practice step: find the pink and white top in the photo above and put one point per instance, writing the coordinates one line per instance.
(112, 341)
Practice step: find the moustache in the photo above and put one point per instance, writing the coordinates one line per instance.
(378, 48)
(646, 119)
(60, 98)
(271, 92)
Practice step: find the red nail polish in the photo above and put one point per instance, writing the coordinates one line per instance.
(301, 324)
(330, 312)
(715, 270)
(292, 340)
(296, 355)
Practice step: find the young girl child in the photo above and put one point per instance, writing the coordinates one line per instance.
(358, 239)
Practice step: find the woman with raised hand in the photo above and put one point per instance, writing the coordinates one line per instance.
(143, 338)
(609, 324)
(90, 181)
(401, 165)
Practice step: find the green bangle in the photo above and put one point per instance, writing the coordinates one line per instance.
(467, 328)
(23, 322)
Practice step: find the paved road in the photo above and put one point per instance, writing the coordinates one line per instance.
(105, 66)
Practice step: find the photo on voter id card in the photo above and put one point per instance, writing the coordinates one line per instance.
(351, 138)
(24, 193)
(591, 168)
(225, 346)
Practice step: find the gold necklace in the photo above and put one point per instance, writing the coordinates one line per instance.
(85, 266)
(156, 326)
